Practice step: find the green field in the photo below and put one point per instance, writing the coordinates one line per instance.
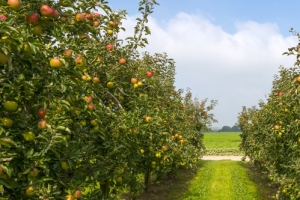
(222, 143)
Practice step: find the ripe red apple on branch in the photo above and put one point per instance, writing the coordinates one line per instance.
(32, 19)
(46, 10)
(14, 4)
(149, 74)
(2, 17)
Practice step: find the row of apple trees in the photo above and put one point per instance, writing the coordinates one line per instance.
(271, 133)
(84, 115)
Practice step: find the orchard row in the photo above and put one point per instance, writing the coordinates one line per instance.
(270, 133)
(85, 115)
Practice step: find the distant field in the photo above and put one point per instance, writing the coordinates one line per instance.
(222, 143)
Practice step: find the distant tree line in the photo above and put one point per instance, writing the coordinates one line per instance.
(230, 129)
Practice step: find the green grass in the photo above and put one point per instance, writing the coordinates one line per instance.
(217, 180)
(222, 143)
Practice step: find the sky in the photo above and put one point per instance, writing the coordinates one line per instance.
(227, 51)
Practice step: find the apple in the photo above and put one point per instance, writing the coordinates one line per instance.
(91, 106)
(89, 16)
(298, 79)
(6, 122)
(84, 77)
(68, 53)
(110, 32)
(140, 84)
(32, 19)
(70, 197)
(133, 80)
(3, 59)
(280, 103)
(110, 85)
(149, 74)
(46, 10)
(42, 124)
(10, 105)
(34, 172)
(77, 194)
(122, 61)
(276, 127)
(41, 113)
(135, 85)
(37, 30)
(181, 141)
(142, 150)
(83, 122)
(79, 61)
(280, 94)
(55, 63)
(14, 4)
(89, 99)
(55, 14)
(2, 17)
(64, 165)
(148, 118)
(98, 59)
(80, 17)
(94, 122)
(119, 179)
(164, 148)
(96, 23)
(97, 15)
(133, 131)
(158, 155)
(29, 191)
(112, 23)
(96, 80)
(109, 47)
(29, 136)
(63, 19)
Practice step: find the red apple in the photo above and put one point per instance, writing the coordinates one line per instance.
(68, 53)
(96, 23)
(91, 106)
(77, 194)
(149, 74)
(133, 80)
(122, 61)
(33, 18)
(46, 10)
(55, 14)
(2, 17)
(79, 61)
(41, 113)
(97, 15)
(109, 47)
(89, 99)
(89, 16)
(42, 124)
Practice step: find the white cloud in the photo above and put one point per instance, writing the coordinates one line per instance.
(235, 69)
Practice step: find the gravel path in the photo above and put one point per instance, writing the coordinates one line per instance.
(235, 158)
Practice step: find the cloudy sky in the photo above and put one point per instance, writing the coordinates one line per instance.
(226, 51)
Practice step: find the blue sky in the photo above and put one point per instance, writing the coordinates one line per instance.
(224, 50)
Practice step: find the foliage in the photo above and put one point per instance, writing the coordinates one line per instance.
(81, 112)
(270, 134)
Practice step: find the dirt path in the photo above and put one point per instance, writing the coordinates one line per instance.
(235, 158)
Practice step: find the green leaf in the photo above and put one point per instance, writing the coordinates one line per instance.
(7, 142)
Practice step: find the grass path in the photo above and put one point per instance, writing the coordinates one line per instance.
(222, 180)
(217, 180)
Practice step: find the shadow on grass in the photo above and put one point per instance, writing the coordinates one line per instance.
(172, 189)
